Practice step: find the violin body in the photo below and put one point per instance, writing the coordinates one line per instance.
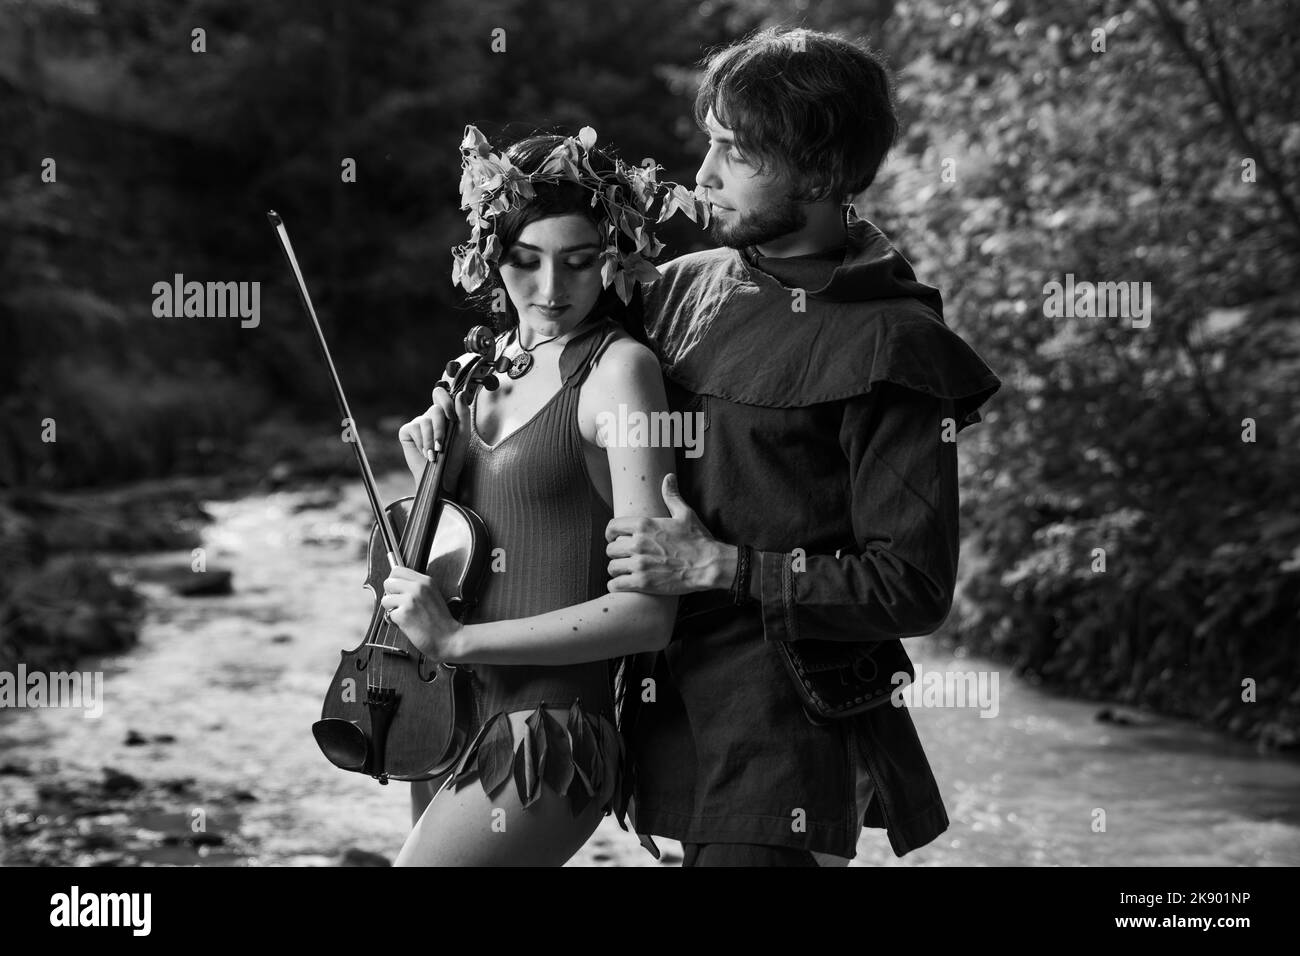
(390, 712)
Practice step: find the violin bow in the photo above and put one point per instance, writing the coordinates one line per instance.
(391, 541)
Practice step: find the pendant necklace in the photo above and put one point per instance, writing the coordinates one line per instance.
(522, 362)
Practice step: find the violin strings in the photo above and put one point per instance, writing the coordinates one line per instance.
(420, 511)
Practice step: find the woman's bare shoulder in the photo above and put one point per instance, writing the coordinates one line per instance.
(622, 356)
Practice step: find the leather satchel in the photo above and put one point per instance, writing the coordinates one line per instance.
(837, 679)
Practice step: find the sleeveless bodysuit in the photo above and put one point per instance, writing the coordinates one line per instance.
(534, 493)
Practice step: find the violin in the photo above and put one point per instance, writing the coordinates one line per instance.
(391, 712)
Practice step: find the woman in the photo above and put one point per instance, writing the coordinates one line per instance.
(545, 760)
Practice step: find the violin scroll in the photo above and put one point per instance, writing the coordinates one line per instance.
(480, 340)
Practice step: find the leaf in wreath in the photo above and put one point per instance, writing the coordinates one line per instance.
(641, 270)
(608, 269)
(492, 248)
(474, 140)
(668, 208)
(587, 137)
(478, 270)
(552, 164)
(623, 287)
(495, 753)
(642, 189)
(702, 213)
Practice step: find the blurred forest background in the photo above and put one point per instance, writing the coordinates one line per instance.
(1170, 156)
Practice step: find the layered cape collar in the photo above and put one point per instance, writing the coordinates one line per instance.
(723, 327)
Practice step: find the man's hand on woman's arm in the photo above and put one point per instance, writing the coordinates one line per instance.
(598, 629)
(673, 555)
(904, 515)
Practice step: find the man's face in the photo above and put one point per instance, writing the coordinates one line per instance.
(748, 208)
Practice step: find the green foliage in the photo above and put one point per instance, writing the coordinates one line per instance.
(69, 607)
(111, 425)
(632, 200)
(204, 143)
(1123, 165)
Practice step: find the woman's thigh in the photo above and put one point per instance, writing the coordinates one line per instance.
(469, 828)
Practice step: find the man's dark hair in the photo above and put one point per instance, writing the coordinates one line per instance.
(815, 105)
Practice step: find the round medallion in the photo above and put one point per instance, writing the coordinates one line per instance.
(520, 365)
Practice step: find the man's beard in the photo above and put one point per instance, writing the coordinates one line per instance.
(761, 225)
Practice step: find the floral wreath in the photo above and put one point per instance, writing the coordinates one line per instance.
(490, 184)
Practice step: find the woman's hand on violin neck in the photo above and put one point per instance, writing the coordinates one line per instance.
(424, 438)
(417, 607)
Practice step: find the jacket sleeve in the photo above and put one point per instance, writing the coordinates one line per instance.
(903, 477)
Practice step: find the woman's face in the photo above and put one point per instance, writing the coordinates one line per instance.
(552, 272)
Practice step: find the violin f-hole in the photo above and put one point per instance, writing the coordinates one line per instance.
(419, 671)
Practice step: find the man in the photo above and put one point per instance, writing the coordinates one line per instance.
(820, 515)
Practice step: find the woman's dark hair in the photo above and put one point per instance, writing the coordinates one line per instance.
(815, 105)
(559, 199)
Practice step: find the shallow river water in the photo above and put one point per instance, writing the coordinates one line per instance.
(203, 753)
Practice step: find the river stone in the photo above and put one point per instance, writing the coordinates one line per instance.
(203, 583)
(117, 782)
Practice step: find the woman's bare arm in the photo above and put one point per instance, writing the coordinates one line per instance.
(611, 625)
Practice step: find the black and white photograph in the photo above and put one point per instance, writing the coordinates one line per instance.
(701, 433)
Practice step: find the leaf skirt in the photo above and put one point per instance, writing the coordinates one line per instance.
(581, 756)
